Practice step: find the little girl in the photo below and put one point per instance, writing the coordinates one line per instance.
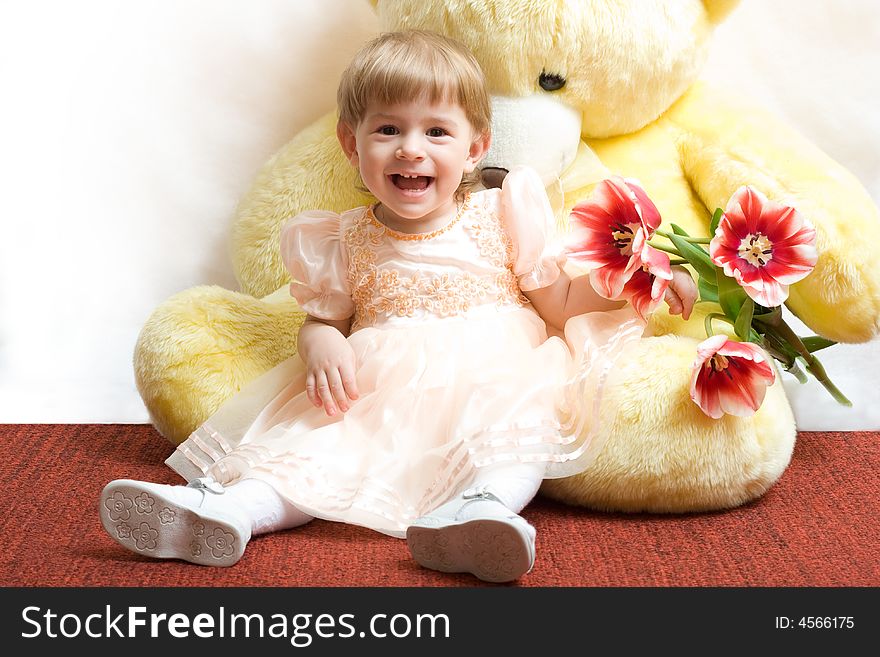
(427, 400)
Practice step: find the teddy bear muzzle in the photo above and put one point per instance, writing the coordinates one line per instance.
(538, 130)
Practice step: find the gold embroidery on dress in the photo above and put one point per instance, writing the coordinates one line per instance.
(416, 237)
(485, 227)
(494, 243)
(386, 292)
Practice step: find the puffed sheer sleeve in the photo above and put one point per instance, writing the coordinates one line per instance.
(528, 219)
(315, 256)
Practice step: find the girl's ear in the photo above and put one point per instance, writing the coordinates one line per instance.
(348, 141)
(479, 148)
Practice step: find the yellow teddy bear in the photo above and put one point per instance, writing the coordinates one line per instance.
(582, 89)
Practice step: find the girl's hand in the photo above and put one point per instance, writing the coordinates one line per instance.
(681, 295)
(330, 379)
(330, 365)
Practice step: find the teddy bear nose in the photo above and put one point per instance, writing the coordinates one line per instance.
(551, 81)
(493, 177)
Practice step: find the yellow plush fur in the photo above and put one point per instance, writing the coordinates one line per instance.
(222, 340)
(631, 70)
(663, 454)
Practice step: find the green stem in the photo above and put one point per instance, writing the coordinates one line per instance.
(781, 330)
(797, 372)
(784, 354)
(779, 349)
(692, 240)
(707, 323)
(667, 249)
(678, 261)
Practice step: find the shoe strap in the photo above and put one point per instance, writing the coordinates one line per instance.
(207, 484)
(480, 493)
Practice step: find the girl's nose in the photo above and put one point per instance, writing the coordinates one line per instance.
(410, 149)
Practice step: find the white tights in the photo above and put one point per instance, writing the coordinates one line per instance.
(514, 483)
(268, 511)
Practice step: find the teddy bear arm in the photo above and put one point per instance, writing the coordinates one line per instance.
(308, 173)
(202, 345)
(724, 144)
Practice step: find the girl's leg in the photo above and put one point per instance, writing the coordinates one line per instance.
(479, 531)
(268, 511)
(515, 484)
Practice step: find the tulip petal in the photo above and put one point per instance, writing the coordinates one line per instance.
(650, 215)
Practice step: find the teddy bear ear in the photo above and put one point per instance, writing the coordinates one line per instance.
(717, 9)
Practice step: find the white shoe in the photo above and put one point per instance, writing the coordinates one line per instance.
(489, 540)
(191, 522)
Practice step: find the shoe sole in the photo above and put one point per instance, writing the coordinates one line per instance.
(145, 521)
(493, 550)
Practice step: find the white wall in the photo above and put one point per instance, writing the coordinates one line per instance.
(128, 132)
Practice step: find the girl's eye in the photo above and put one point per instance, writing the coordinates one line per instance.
(387, 130)
(436, 132)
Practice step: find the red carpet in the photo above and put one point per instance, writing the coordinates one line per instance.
(819, 526)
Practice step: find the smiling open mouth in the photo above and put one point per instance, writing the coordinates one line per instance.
(415, 183)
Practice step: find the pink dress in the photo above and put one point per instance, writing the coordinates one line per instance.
(454, 368)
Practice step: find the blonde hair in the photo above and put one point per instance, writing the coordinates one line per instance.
(412, 65)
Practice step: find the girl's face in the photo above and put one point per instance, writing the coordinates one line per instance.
(412, 157)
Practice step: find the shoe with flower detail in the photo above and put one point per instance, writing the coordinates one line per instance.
(474, 533)
(192, 522)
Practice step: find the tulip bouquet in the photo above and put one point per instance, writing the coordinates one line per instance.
(758, 249)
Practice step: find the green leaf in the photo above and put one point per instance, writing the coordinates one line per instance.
(678, 230)
(698, 258)
(743, 324)
(716, 219)
(731, 296)
(815, 343)
(708, 292)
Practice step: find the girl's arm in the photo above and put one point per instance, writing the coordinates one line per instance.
(330, 363)
(567, 297)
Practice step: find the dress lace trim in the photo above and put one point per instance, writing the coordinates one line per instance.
(416, 237)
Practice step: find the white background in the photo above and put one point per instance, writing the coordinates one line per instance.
(129, 131)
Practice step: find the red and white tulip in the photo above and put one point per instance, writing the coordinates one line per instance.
(730, 377)
(610, 231)
(765, 246)
(647, 286)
